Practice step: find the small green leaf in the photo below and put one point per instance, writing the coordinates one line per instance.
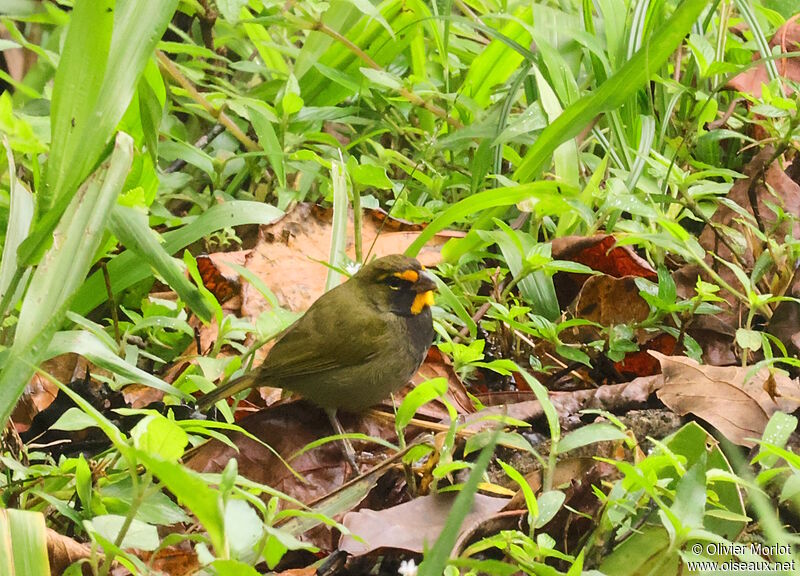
(382, 78)
(74, 419)
(589, 434)
(422, 394)
(160, 437)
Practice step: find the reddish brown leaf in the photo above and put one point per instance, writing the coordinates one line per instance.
(642, 363)
(222, 286)
(602, 254)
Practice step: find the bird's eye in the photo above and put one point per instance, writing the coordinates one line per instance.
(395, 283)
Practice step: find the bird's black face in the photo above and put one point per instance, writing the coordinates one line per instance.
(399, 284)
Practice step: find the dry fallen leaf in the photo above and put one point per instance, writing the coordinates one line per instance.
(412, 526)
(611, 301)
(600, 253)
(729, 398)
(63, 551)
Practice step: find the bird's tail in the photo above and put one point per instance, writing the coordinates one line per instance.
(226, 390)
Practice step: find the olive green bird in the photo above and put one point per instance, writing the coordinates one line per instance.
(355, 345)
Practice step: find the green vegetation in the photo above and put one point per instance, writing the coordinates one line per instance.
(640, 155)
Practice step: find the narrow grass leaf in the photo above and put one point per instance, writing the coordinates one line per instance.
(61, 272)
(436, 560)
(127, 269)
(131, 227)
(613, 92)
(337, 256)
(20, 214)
(471, 205)
(23, 543)
(92, 348)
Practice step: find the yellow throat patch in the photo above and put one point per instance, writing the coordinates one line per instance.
(420, 301)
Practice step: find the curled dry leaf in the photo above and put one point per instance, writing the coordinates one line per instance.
(63, 551)
(412, 526)
(617, 398)
(41, 392)
(736, 403)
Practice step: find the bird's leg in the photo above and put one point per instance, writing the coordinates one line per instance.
(349, 453)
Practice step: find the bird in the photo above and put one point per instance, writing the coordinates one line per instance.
(355, 345)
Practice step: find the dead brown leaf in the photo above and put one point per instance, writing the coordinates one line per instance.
(600, 253)
(63, 551)
(41, 392)
(611, 301)
(287, 428)
(735, 404)
(413, 526)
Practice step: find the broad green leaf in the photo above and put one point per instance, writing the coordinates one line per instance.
(419, 396)
(777, 432)
(192, 491)
(160, 437)
(74, 419)
(589, 434)
(23, 543)
(138, 534)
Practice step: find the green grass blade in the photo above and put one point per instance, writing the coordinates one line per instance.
(130, 226)
(127, 269)
(20, 214)
(92, 348)
(76, 93)
(748, 14)
(436, 561)
(337, 255)
(498, 197)
(63, 269)
(87, 106)
(23, 543)
(613, 92)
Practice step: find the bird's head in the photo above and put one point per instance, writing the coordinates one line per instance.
(398, 284)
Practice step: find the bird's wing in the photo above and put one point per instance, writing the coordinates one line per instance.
(318, 342)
